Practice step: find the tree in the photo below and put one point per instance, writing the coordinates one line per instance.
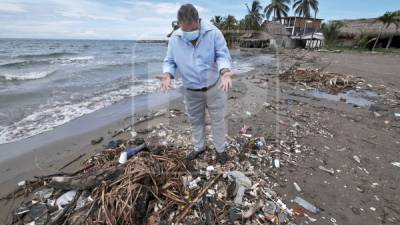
(396, 22)
(229, 23)
(217, 21)
(387, 19)
(331, 33)
(278, 7)
(363, 40)
(304, 7)
(254, 18)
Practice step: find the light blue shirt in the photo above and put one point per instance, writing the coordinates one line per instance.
(198, 65)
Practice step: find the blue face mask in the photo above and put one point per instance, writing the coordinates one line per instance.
(191, 36)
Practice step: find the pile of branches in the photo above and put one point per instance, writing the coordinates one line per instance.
(331, 82)
(121, 193)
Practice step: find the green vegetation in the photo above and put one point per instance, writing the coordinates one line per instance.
(279, 8)
(331, 33)
(387, 19)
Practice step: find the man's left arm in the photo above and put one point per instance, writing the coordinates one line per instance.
(223, 57)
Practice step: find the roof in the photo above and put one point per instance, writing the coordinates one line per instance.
(370, 26)
(300, 17)
(275, 28)
(258, 35)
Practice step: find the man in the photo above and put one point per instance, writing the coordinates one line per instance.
(199, 51)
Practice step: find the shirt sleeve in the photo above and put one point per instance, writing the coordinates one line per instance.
(223, 57)
(169, 65)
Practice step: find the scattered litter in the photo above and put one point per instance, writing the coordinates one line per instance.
(306, 205)
(65, 199)
(331, 171)
(396, 164)
(277, 163)
(130, 152)
(241, 183)
(372, 209)
(297, 187)
(397, 114)
(357, 159)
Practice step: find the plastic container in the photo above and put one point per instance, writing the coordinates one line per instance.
(306, 205)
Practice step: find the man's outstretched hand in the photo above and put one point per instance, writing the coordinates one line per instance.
(165, 80)
(226, 81)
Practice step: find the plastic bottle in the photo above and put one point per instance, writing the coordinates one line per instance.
(306, 205)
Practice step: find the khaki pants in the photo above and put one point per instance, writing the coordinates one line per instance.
(196, 103)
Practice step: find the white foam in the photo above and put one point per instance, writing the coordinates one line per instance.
(27, 76)
(49, 116)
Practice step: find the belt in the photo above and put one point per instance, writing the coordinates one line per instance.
(204, 89)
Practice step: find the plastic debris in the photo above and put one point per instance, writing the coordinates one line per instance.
(277, 163)
(65, 199)
(297, 187)
(396, 164)
(241, 184)
(43, 195)
(194, 183)
(331, 171)
(306, 205)
(130, 152)
(22, 183)
(357, 159)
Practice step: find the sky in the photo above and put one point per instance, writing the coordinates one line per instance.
(142, 19)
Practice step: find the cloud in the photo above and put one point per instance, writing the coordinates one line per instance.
(94, 19)
(10, 7)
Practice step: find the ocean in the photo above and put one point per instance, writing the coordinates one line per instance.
(47, 83)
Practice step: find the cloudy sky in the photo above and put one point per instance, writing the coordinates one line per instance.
(140, 19)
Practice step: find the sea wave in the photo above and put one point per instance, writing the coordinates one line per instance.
(45, 55)
(50, 116)
(27, 76)
(38, 62)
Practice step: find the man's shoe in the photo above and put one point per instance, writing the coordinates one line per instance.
(222, 157)
(194, 154)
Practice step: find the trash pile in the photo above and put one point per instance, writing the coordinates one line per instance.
(149, 182)
(331, 82)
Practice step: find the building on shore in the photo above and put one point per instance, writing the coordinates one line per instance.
(301, 26)
(304, 31)
(256, 39)
(370, 28)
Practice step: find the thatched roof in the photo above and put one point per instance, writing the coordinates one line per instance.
(369, 26)
(259, 35)
(275, 28)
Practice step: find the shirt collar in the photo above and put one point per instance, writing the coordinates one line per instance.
(205, 27)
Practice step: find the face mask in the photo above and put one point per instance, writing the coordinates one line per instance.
(191, 36)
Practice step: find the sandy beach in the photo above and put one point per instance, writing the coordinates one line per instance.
(364, 192)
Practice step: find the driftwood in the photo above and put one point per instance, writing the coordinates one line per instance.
(186, 210)
(86, 181)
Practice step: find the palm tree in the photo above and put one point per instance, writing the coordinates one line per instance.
(396, 22)
(254, 17)
(304, 7)
(217, 21)
(387, 19)
(331, 33)
(229, 23)
(278, 7)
